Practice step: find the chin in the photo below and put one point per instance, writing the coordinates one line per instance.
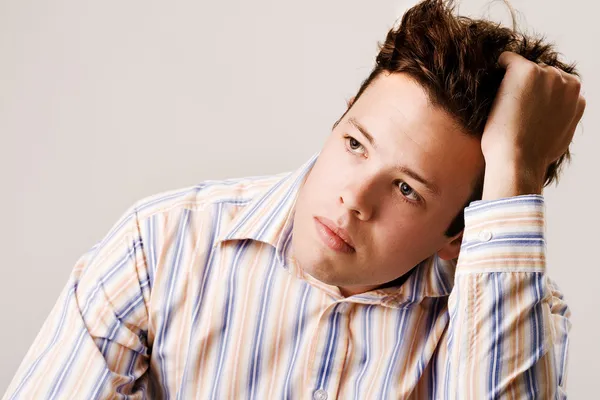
(330, 277)
(319, 265)
(323, 273)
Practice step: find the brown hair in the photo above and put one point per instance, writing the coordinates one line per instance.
(455, 59)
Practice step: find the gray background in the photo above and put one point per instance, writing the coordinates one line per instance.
(103, 103)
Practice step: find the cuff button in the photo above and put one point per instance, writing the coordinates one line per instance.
(485, 236)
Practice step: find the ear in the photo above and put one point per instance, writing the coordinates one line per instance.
(451, 249)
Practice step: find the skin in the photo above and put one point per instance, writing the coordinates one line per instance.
(532, 122)
(393, 220)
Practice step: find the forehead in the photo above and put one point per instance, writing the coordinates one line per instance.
(397, 101)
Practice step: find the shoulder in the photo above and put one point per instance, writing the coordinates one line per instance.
(206, 194)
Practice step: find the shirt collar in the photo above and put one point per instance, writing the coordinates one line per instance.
(269, 215)
(268, 218)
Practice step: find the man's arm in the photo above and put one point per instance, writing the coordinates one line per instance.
(509, 324)
(93, 344)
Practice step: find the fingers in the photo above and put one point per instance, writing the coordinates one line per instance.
(574, 83)
(509, 59)
(555, 70)
(566, 77)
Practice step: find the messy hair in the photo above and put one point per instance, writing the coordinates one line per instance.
(455, 59)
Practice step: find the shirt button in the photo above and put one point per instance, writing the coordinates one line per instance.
(320, 395)
(485, 236)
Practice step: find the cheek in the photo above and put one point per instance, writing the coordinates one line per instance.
(403, 238)
(394, 236)
(321, 185)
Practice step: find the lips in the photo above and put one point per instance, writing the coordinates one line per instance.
(341, 233)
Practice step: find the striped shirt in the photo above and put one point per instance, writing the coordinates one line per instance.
(192, 295)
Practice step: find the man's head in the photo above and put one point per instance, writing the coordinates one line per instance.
(405, 158)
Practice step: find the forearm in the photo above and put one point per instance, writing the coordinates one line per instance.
(504, 329)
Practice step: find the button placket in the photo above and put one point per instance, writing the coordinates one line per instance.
(338, 310)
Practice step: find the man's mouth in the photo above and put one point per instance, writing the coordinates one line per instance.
(336, 238)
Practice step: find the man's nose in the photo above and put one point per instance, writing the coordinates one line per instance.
(357, 197)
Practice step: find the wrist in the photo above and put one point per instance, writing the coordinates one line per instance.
(511, 179)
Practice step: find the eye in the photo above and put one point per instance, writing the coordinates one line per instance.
(407, 191)
(354, 144)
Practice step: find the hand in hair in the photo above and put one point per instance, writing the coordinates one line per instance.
(531, 124)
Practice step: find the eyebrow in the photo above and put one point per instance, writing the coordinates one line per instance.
(430, 186)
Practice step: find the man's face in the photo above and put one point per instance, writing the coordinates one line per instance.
(394, 220)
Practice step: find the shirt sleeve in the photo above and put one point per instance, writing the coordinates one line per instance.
(93, 344)
(509, 323)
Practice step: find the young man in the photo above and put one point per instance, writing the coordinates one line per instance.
(356, 276)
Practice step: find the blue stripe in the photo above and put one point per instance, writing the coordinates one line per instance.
(144, 204)
(59, 328)
(563, 354)
(134, 213)
(432, 384)
(282, 253)
(288, 195)
(483, 246)
(269, 193)
(366, 356)
(255, 358)
(539, 325)
(120, 315)
(128, 308)
(432, 317)
(54, 389)
(199, 301)
(163, 328)
(441, 276)
(497, 341)
(97, 389)
(505, 202)
(286, 237)
(133, 358)
(329, 355)
(111, 272)
(65, 369)
(392, 363)
(417, 278)
(229, 308)
(272, 215)
(400, 331)
(512, 235)
(250, 212)
(535, 336)
(298, 331)
(150, 241)
(450, 346)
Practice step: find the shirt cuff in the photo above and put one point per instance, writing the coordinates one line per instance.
(504, 235)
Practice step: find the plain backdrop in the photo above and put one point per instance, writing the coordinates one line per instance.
(103, 103)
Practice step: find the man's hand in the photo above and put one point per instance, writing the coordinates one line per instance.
(531, 124)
